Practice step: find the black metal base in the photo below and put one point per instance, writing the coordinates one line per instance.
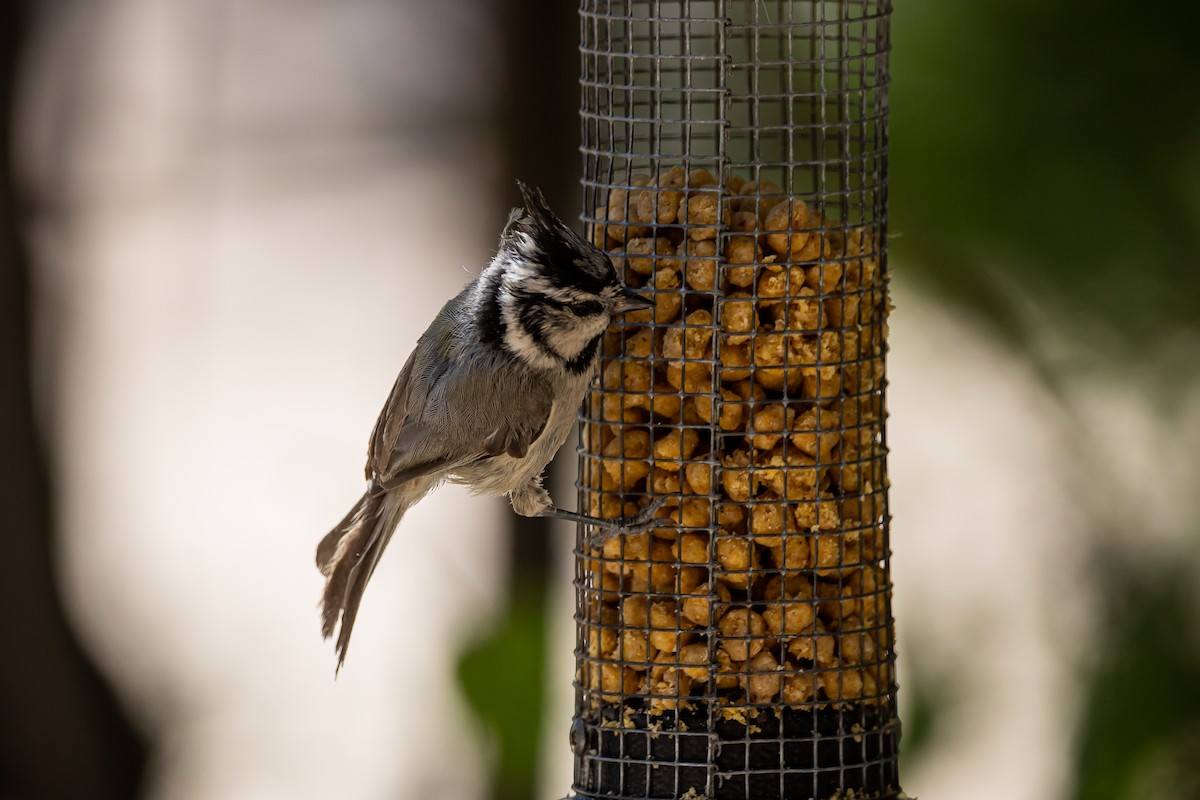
(796, 755)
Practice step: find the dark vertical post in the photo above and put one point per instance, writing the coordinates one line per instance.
(535, 121)
(61, 733)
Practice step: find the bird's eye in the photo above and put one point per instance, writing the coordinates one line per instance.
(585, 308)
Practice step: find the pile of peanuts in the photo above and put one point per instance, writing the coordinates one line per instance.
(751, 393)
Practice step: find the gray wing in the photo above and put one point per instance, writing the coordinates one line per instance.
(395, 452)
(448, 408)
(390, 422)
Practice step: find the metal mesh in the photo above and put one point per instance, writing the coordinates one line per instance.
(735, 168)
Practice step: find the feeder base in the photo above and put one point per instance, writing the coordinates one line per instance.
(823, 754)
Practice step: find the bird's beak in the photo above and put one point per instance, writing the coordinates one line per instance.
(629, 300)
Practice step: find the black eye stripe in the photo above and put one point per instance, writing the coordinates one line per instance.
(585, 308)
(580, 308)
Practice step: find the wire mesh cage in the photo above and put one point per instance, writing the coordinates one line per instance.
(735, 163)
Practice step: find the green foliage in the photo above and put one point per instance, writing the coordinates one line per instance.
(1047, 155)
(1050, 150)
(502, 678)
(1140, 732)
(925, 707)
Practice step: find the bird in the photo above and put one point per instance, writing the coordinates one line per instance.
(489, 394)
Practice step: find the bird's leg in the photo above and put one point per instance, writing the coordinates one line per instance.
(605, 529)
(532, 500)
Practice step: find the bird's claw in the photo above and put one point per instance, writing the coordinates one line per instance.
(646, 519)
(640, 522)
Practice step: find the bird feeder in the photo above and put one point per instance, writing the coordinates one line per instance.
(735, 169)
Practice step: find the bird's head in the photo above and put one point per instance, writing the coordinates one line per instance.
(556, 292)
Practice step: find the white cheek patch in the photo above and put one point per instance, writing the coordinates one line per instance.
(518, 340)
(570, 339)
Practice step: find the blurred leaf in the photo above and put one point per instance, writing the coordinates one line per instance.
(502, 680)
(933, 693)
(923, 714)
(1140, 729)
(1050, 147)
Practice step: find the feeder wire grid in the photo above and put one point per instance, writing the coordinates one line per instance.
(735, 169)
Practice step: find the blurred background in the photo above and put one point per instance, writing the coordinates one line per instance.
(223, 223)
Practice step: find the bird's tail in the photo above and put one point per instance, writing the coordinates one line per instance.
(348, 554)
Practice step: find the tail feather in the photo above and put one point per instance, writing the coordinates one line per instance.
(328, 545)
(347, 556)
